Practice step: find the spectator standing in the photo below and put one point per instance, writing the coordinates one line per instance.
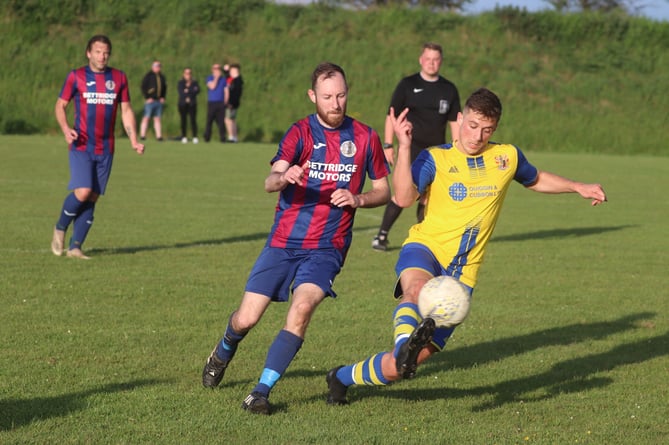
(154, 89)
(235, 87)
(433, 101)
(217, 98)
(188, 90)
(97, 90)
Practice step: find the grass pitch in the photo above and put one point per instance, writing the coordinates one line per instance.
(567, 341)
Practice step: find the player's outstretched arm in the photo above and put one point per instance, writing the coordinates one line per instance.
(551, 183)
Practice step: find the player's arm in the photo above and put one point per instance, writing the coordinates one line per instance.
(377, 196)
(388, 136)
(405, 191)
(282, 174)
(130, 125)
(61, 117)
(551, 183)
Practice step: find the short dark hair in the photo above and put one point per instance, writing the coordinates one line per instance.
(327, 69)
(99, 38)
(433, 46)
(485, 102)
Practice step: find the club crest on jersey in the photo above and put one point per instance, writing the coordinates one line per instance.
(110, 85)
(348, 149)
(502, 162)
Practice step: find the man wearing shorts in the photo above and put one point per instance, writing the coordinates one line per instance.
(96, 91)
(154, 89)
(319, 172)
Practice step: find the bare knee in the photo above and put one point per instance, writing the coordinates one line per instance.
(243, 321)
(85, 194)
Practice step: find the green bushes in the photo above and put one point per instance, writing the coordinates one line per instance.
(569, 82)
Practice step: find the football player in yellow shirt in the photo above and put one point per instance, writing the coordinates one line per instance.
(465, 184)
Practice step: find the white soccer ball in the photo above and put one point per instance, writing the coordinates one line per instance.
(445, 300)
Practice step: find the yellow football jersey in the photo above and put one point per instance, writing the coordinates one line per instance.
(464, 197)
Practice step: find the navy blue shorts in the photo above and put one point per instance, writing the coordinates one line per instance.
(89, 170)
(277, 272)
(417, 256)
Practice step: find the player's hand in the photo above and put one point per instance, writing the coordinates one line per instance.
(295, 173)
(402, 127)
(594, 192)
(138, 147)
(344, 197)
(71, 135)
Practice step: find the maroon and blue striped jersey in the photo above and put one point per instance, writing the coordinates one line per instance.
(96, 97)
(335, 158)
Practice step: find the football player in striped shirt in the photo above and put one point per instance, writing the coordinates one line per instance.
(96, 90)
(319, 172)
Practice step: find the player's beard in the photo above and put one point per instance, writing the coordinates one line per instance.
(332, 119)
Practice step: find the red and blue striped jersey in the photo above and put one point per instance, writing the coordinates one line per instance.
(337, 158)
(96, 97)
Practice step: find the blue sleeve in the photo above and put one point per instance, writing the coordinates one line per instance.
(423, 170)
(526, 173)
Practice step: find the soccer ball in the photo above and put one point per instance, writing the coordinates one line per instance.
(445, 300)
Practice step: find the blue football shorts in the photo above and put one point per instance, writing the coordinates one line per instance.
(88, 170)
(418, 256)
(153, 109)
(277, 272)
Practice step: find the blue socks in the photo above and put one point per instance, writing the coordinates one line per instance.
(82, 215)
(82, 224)
(228, 345)
(71, 208)
(280, 354)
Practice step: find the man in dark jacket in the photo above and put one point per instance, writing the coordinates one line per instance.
(154, 88)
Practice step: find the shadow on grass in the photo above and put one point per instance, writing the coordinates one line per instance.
(572, 375)
(182, 245)
(15, 413)
(559, 233)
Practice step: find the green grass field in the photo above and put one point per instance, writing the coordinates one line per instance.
(567, 341)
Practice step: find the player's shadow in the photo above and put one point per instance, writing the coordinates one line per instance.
(180, 245)
(572, 375)
(559, 233)
(186, 244)
(15, 413)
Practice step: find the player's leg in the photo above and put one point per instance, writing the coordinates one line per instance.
(81, 184)
(313, 277)
(269, 280)
(390, 215)
(285, 346)
(101, 166)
